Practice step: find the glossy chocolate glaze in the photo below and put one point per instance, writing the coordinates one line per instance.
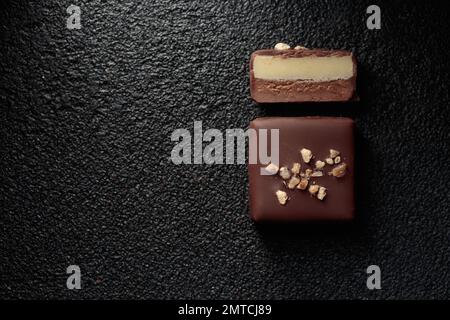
(319, 134)
(268, 91)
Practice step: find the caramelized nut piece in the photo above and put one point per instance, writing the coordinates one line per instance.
(317, 174)
(329, 161)
(272, 168)
(282, 197)
(337, 159)
(303, 184)
(306, 155)
(322, 193)
(284, 173)
(293, 182)
(313, 189)
(296, 168)
(282, 46)
(334, 153)
(339, 171)
(320, 164)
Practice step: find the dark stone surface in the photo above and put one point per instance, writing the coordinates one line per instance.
(86, 118)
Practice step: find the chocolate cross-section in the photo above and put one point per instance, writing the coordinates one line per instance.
(302, 75)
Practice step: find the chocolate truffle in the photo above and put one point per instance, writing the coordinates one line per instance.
(314, 177)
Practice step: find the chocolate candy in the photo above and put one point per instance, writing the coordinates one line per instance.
(302, 75)
(314, 177)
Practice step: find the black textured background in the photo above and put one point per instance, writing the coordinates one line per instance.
(86, 117)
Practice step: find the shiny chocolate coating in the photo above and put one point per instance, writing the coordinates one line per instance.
(319, 134)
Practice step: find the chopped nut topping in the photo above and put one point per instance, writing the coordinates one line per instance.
(334, 153)
(303, 184)
(282, 46)
(296, 168)
(306, 155)
(313, 189)
(293, 178)
(317, 174)
(320, 164)
(307, 173)
(322, 193)
(293, 182)
(282, 197)
(339, 171)
(272, 168)
(284, 173)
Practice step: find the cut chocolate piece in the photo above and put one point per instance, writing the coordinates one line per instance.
(302, 75)
(335, 201)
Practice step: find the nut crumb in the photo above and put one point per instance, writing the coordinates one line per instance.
(282, 46)
(322, 193)
(293, 182)
(306, 155)
(282, 197)
(284, 173)
(334, 153)
(313, 189)
(329, 161)
(337, 159)
(320, 164)
(272, 168)
(299, 47)
(303, 184)
(339, 171)
(296, 168)
(307, 173)
(317, 174)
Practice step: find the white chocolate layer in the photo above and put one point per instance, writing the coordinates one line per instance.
(309, 68)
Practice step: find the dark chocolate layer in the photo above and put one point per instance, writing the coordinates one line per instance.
(267, 91)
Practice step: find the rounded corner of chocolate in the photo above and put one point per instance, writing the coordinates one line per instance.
(256, 218)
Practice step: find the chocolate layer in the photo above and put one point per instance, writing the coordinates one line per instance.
(267, 91)
(303, 90)
(300, 53)
(319, 134)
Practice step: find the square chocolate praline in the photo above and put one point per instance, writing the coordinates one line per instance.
(318, 134)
